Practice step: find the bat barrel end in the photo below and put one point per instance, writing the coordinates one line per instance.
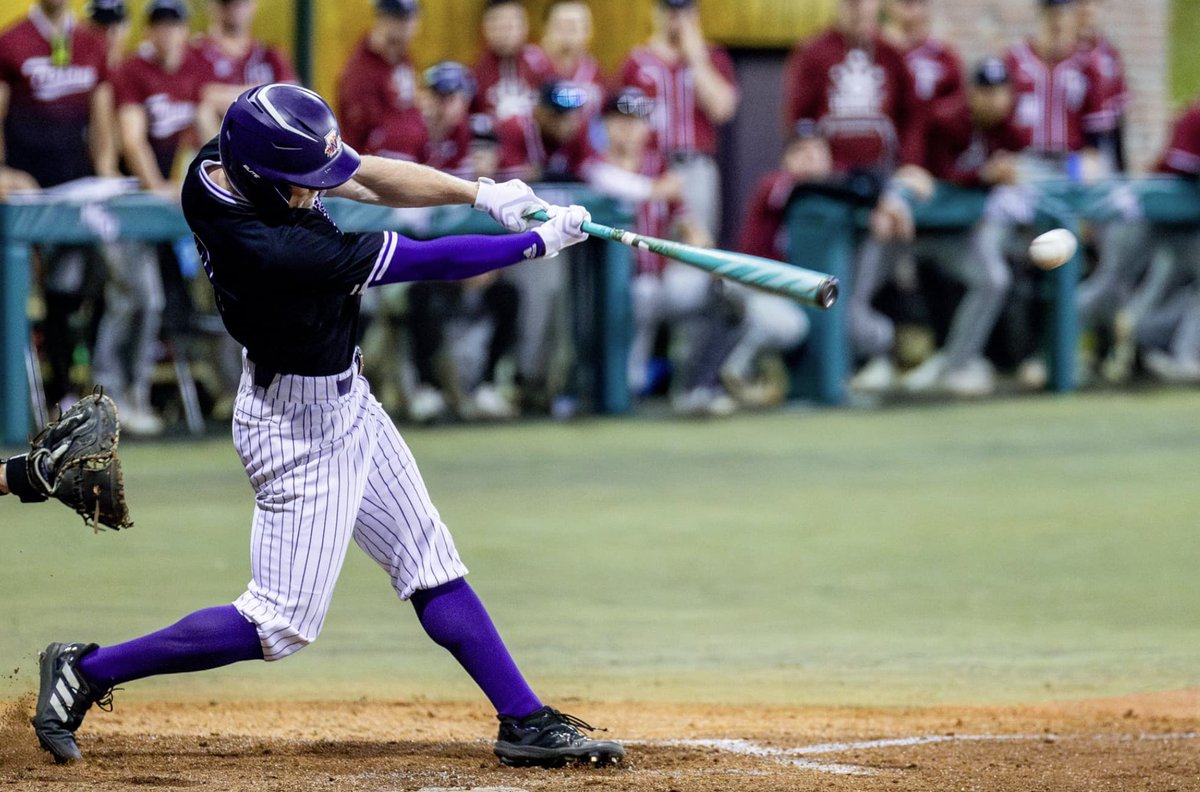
(827, 293)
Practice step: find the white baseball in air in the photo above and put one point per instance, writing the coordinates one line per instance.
(1053, 248)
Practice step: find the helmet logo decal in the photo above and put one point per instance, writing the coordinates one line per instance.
(333, 143)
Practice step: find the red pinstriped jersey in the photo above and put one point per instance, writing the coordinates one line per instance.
(1182, 155)
(508, 87)
(1110, 68)
(1057, 102)
(654, 218)
(680, 125)
(862, 98)
(763, 233)
(936, 70)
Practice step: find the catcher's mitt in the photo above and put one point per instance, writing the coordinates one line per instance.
(74, 459)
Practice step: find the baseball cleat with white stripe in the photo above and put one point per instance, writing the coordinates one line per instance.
(549, 738)
(64, 697)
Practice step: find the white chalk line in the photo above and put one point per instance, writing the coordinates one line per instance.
(797, 757)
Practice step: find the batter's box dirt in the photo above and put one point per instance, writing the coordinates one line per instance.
(1149, 742)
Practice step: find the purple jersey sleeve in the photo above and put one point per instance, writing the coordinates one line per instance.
(449, 258)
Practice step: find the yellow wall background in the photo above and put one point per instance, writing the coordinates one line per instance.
(450, 28)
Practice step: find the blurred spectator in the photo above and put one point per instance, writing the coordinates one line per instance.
(551, 142)
(1110, 70)
(1150, 301)
(109, 18)
(754, 372)
(234, 60)
(663, 291)
(936, 69)
(377, 89)
(510, 71)
(56, 106)
(157, 90)
(1059, 92)
(445, 101)
(443, 316)
(484, 150)
(857, 88)
(972, 142)
(567, 41)
(695, 90)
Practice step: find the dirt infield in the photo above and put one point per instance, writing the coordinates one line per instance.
(1147, 742)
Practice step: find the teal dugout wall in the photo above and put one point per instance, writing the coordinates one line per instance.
(824, 233)
(603, 275)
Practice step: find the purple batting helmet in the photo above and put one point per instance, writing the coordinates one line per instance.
(277, 135)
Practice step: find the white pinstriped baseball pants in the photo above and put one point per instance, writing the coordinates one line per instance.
(327, 464)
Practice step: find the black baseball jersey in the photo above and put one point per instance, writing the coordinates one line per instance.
(288, 286)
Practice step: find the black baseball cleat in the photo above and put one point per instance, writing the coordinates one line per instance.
(549, 738)
(63, 699)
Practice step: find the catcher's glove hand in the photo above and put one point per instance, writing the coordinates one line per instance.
(74, 459)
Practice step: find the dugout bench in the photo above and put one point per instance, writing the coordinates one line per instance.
(603, 332)
(823, 233)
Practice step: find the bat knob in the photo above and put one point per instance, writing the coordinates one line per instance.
(827, 293)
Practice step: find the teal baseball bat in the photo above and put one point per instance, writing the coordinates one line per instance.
(802, 285)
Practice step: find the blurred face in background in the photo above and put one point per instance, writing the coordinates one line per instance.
(449, 110)
(627, 134)
(568, 29)
(392, 36)
(506, 29)
(909, 15)
(485, 158)
(1088, 17)
(808, 159)
(858, 19)
(115, 36)
(233, 17)
(170, 38)
(669, 22)
(990, 104)
(1060, 27)
(558, 126)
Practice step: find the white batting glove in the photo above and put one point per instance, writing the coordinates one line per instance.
(508, 203)
(563, 229)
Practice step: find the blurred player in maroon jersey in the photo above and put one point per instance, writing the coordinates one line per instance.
(378, 86)
(972, 142)
(510, 70)
(157, 90)
(445, 102)
(1145, 300)
(234, 60)
(936, 69)
(662, 291)
(567, 41)
(56, 107)
(550, 143)
(109, 19)
(694, 89)
(1110, 69)
(857, 88)
(1059, 91)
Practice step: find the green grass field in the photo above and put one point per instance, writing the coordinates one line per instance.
(1011, 551)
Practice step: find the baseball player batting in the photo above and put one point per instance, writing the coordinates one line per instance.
(326, 463)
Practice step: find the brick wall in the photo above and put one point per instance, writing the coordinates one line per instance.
(1139, 28)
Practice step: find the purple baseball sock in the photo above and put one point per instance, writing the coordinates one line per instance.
(455, 618)
(208, 638)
